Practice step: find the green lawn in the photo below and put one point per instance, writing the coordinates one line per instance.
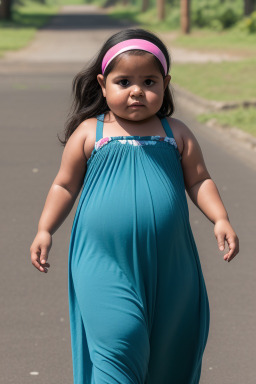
(222, 82)
(226, 81)
(147, 19)
(28, 16)
(241, 118)
(231, 41)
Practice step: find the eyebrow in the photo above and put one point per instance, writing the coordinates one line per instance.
(127, 77)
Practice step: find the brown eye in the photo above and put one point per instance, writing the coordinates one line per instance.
(124, 82)
(149, 82)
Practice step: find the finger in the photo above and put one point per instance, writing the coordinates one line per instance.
(232, 250)
(35, 258)
(44, 255)
(36, 263)
(231, 256)
(41, 268)
(221, 242)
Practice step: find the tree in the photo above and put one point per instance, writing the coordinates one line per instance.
(185, 16)
(161, 9)
(248, 7)
(5, 9)
(145, 5)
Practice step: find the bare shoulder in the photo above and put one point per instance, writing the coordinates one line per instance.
(87, 128)
(181, 132)
(193, 165)
(74, 160)
(86, 132)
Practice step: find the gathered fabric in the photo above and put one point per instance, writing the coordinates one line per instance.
(138, 305)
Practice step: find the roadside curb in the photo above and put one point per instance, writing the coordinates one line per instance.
(213, 105)
(199, 105)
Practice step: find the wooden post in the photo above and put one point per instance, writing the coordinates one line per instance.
(185, 16)
(248, 7)
(5, 9)
(145, 5)
(161, 9)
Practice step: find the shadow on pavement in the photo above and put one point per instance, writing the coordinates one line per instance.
(91, 21)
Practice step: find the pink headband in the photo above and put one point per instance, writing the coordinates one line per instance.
(128, 45)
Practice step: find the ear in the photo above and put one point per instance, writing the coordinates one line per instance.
(167, 80)
(102, 84)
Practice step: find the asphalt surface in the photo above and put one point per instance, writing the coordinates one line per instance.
(34, 319)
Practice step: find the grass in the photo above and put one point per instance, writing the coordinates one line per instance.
(231, 41)
(226, 81)
(147, 19)
(27, 17)
(241, 118)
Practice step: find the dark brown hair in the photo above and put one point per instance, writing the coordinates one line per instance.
(88, 99)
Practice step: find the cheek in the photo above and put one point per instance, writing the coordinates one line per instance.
(116, 96)
(156, 97)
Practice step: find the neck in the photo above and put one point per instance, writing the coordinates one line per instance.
(130, 123)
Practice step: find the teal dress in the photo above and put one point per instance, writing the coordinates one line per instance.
(138, 304)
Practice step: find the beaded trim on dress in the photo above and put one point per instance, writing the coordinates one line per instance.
(136, 142)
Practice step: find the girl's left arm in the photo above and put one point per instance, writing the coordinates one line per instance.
(204, 193)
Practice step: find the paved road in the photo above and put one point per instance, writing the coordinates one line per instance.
(34, 320)
(75, 27)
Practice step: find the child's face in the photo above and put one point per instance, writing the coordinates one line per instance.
(134, 80)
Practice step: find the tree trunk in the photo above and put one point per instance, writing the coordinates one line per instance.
(161, 9)
(185, 16)
(248, 7)
(145, 5)
(5, 9)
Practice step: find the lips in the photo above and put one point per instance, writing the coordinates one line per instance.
(137, 105)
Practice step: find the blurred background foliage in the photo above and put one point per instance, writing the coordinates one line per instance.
(216, 26)
(215, 14)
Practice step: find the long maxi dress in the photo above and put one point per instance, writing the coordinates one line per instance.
(138, 305)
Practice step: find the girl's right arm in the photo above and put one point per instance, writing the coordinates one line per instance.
(61, 197)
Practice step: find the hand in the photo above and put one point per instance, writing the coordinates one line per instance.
(39, 250)
(224, 232)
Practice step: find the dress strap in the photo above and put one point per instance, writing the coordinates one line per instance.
(99, 127)
(100, 123)
(167, 127)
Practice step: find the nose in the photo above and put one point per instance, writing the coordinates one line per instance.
(136, 91)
